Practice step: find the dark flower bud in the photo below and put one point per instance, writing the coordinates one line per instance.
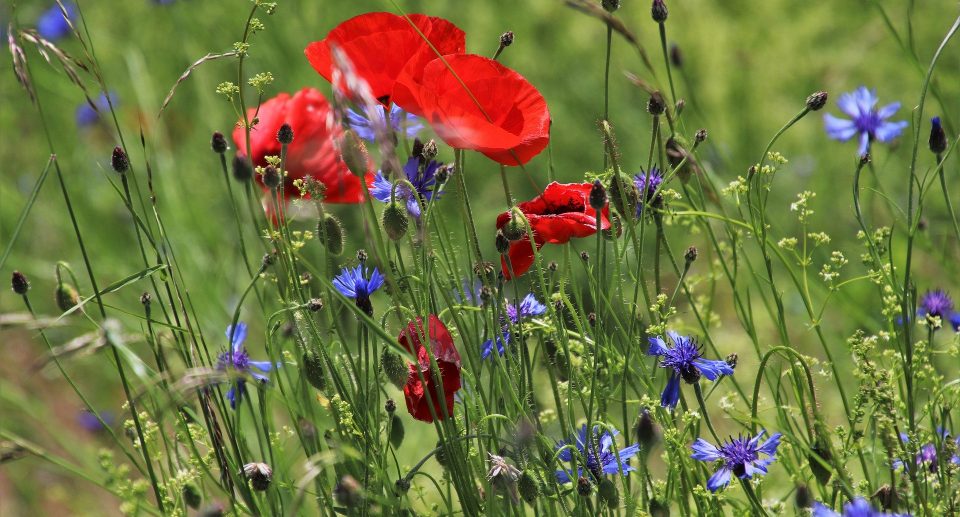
(146, 299)
(502, 243)
(191, 496)
(390, 406)
(259, 474)
(417, 150)
(802, 497)
(313, 370)
(817, 100)
(315, 304)
(885, 497)
(528, 487)
(441, 455)
(938, 138)
(691, 254)
(402, 486)
(267, 260)
(506, 39)
(700, 136)
(354, 153)
(656, 105)
(285, 134)
(598, 196)
(271, 177)
(395, 221)
(584, 487)
(429, 151)
(592, 319)
(362, 255)
(865, 158)
(731, 361)
(624, 195)
(678, 107)
(610, 6)
(66, 297)
(212, 510)
(608, 493)
(19, 283)
(443, 174)
(483, 269)
(348, 492)
(658, 11)
(242, 170)
(119, 160)
(646, 430)
(393, 367)
(330, 234)
(396, 431)
(552, 266)
(659, 508)
(218, 143)
(676, 56)
(584, 256)
(486, 295)
(820, 454)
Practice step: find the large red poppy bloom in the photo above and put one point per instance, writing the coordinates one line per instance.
(561, 213)
(421, 394)
(474, 102)
(312, 152)
(383, 47)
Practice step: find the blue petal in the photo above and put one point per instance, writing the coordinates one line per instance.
(769, 447)
(864, 147)
(839, 128)
(889, 110)
(237, 335)
(375, 282)
(705, 451)
(890, 130)
(820, 510)
(657, 346)
(859, 507)
(719, 479)
(264, 366)
(712, 369)
(381, 188)
(671, 394)
(563, 477)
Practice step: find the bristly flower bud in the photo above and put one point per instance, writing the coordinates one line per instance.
(285, 134)
(19, 283)
(802, 497)
(502, 243)
(691, 254)
(146, 299)
(938, 137)
(528, 487)
(242, 170)
(429, 151)
(584, 487)
(646, 430)
(700, 136)
(658, 11)
(119, 160)
(393, 367)
(191, 496)
(598, 196)
(395, 221)
(312, 369)
(552, 266)
(267, 259)
(330, 234)
(259, 474)
(676, 56)
(486, 295)
(611, 6)
(66, 297)
(656, 105)
(397, 431)
(514, 229)
(402, 486)
(506, 39)
(608, 493)
(820, 452)
(659, 509)
(218, 143)
(885, 497)
(443, 174)
(354, 153)
(348, 492)
(817, 100)
(271, 177)
(624, 195)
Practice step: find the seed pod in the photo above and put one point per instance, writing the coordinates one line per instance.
(598, 196)
(624, 195)
(584, 487)
(354, 153)
(271, 177)
(610, 6)
(656, 105)
(396, 432)
(393, 368)
(395, 221)
(191, 496)
(402, 486)
(330, 234)
(691, 254)
(19, 283)
(313, 370)
(390, 406)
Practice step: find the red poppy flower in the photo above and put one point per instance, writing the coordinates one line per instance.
(312, 152)
(474, 102)
(384, 47)
(421, 394)
(561, 213)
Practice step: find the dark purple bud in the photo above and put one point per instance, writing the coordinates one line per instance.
(119, 160)
(19, 283)
(659, 11)
(938, 138)
(242, 170)
(598, 196)
(218, 143)
(817, 100)
(285, 134)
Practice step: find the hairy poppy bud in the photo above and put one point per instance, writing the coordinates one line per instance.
(598, 196)
(218, 143)
(506, 39)
(659, 509)
(676, 56)
(393, 367)
(529, 487)
(817, 100)
(66, 297)
(608, 493)
(656, 105)
(402, 486)
(802, 497)
(624, 195)
(396, 431)
(330, 234)
(285, 134)
(19, 283)
(646, 430)
(513, 230)
(691, 254)
(271, 177)
(938, 138)
(700, 136)
(502, 243)
(354, 153)
(395, 221)
(348, 492)
(191, 496)
(610, 6)
(259, 474)
(119, 160)
(819, 454)
(584, 487)
(242, 170)
(658, 11)
(313, 370)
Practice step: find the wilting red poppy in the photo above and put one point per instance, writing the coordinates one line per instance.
(312, 152)
(474, 102)
(384, 47)
(561, 213)
(420, 394)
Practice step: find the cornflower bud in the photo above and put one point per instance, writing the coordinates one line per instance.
(700, 136)
(393, 367)
(646, 430)
(354, 153)
(656, 105)
(938, 138)
(608, 493)
(119, 160)
(146, 299)
(506, 39)
(259, 474)
(610, 6)
(271, 177)
(242, 170)
(285, 134)
(528, 487)
(66, 297)
(429, 151)
(362, 255)
(691, 254)
(218, 143)
(390, 406)
(402, 486)
(584, 487)
(315, 304)
(817, 100)
(658, 11)
(584, 256)
(598, 196)
(19, 283)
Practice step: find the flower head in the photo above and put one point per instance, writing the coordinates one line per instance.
(865, 119)
(740, 456)
(421, 175)
(470, 294)
(859, 507)
(687, 363)
(527, 308)
(354, 283)
(595, 452)
(937, 303)
(400, 121)
(52, 25)
(647, 184)
(928, 453)
(423, 386)
(238, 361)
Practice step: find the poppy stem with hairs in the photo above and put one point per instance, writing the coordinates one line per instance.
(506, 186)
(468, 213)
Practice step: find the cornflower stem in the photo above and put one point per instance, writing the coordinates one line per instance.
(752, 496)
(666, 62)
(606, 85)
(703, 409)
(946, 198)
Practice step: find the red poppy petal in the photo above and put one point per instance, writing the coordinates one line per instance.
(521, 258)
(420, 395)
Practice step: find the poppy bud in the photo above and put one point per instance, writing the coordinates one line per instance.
(820, 452)
(646, 430)
(610, 6)
(313, 370)
(66, 297)
(802, 497)
(506, 39)
(584, 488)
(885, 497)
(396, 432)
(624, 195)
(402, 486)
(271, 177)
(242, 170)
(330, 234)
(598, 196)
(528, 487)
(817, 100)
(513, 230)
(656, 105)
(503, 244)
(486, 295)
(348, 492)
(354, 153)
(119, 160)
(658, 11)
(393, 367)
(19, 283)
(285, 134)
(938, 138)
(218, 143)
(659, 509)
(259, 474)
(676, 56)
(441, 455)
(390, 406)
(191, 496)
(700, 136)
(691, 254)
(395, 221)
(608, 493)
(584, 256)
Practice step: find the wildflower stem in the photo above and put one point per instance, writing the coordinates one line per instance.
(703, 410)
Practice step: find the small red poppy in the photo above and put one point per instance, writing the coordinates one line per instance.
(561, 213)
(421, 394)
(474, 102)
(384, 47)
(312, 152)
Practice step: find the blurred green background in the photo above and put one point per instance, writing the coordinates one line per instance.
(747, 69)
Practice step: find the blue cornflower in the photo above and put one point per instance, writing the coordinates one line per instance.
(400, 120)
(91, 423)
(866, 120)
(353, 283)
(500, 341)
(422, 178)
(686, 361)
(859, 507)
(740, 456)
(927, 455)
(87, 115)
(238, 360)
(470, 294)
(596, 455)
(51, 25)
(647, 184)
(937, 303)
(517, 312)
